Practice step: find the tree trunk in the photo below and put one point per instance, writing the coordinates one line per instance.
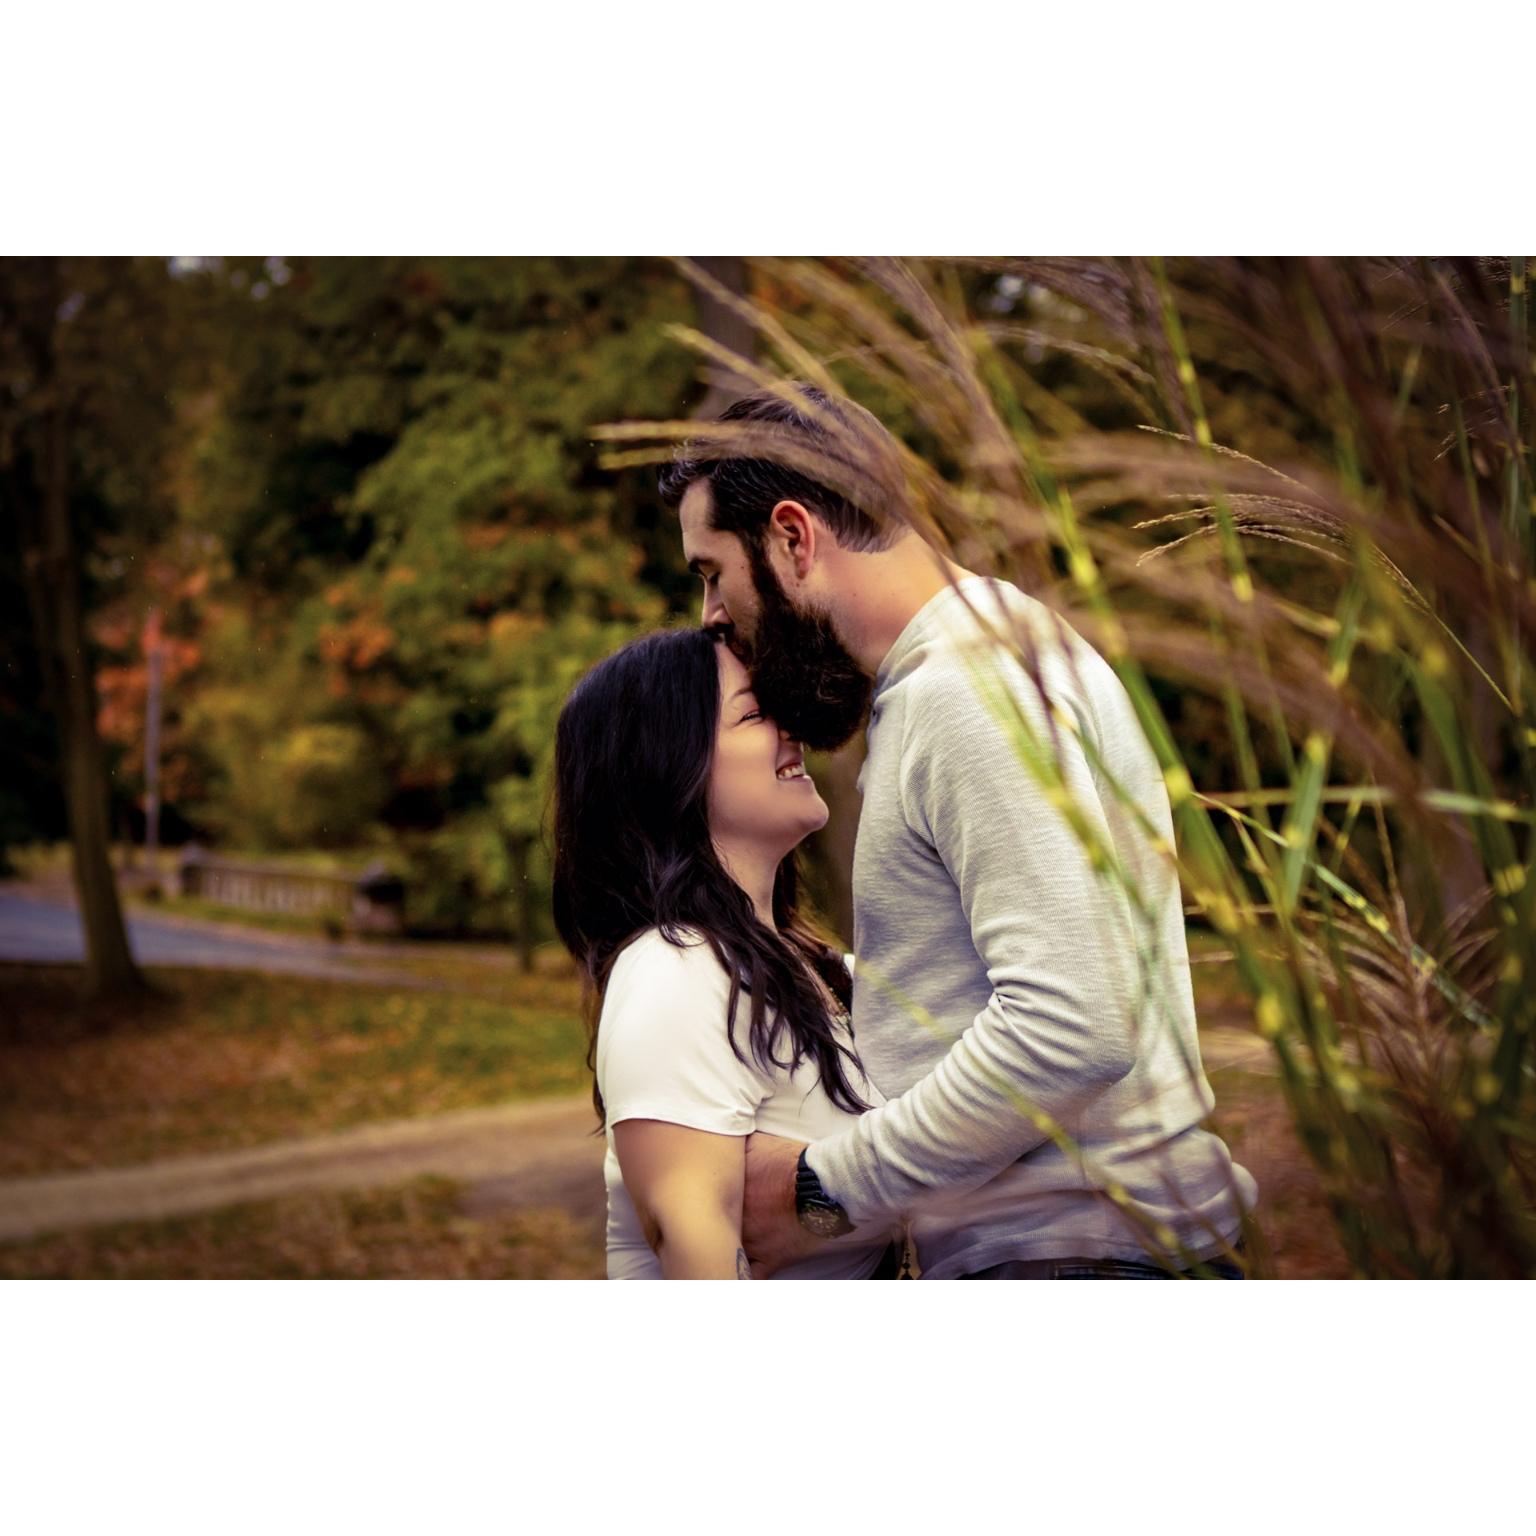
(53, 587)
(724, 325)
(519, 847)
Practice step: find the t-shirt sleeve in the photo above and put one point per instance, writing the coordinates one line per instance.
(663, 1050)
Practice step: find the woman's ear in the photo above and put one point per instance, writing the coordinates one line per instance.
(792, 535)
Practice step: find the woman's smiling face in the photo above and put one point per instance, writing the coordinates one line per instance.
(760, 794)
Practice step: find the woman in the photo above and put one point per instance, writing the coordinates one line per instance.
(715, 1010)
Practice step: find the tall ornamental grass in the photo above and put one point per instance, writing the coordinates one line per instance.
(1291, 502)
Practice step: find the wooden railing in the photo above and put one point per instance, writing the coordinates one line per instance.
(370, 902)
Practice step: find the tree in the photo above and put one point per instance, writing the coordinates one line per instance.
(85, 353)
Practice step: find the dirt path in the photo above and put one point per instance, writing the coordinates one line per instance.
(532, 1154)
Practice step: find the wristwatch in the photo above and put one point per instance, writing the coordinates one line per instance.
(819, 1213)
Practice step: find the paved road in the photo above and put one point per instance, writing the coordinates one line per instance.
(43, 927)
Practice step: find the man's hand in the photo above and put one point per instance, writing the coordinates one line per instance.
(770, 1230)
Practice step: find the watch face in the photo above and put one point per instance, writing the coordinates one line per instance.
(824, 1223)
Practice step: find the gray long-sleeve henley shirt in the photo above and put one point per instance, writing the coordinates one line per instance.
(1006, 988)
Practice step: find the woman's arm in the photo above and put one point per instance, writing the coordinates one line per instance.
(687, 1187)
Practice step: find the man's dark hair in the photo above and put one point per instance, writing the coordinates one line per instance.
(831, 456)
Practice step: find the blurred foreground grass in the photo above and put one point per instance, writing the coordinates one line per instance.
(221, 1060)
(1292, 504)
(414, 1231)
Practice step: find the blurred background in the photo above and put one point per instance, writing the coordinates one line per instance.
(301, 557)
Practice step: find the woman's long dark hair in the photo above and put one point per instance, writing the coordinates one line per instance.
(633, 750)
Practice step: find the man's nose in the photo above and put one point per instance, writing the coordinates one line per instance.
(715, 615)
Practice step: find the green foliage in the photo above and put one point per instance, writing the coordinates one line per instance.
(402, 478)
(285, 767)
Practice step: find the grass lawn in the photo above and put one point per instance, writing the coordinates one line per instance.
(414, 1231)
(231, 1059)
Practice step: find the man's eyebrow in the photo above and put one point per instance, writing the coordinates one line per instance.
(697, 564)
(738, 694)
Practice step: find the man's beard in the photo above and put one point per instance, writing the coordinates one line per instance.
(803, 676)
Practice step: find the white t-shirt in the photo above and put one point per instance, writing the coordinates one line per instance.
(663, 1053)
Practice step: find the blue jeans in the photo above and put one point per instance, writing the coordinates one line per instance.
(1106, 1269)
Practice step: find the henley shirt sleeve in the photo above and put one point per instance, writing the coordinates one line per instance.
(1058, 1027)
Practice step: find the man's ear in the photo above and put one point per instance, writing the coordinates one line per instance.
(792, 535)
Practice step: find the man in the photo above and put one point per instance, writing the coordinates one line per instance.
(1021, 992)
